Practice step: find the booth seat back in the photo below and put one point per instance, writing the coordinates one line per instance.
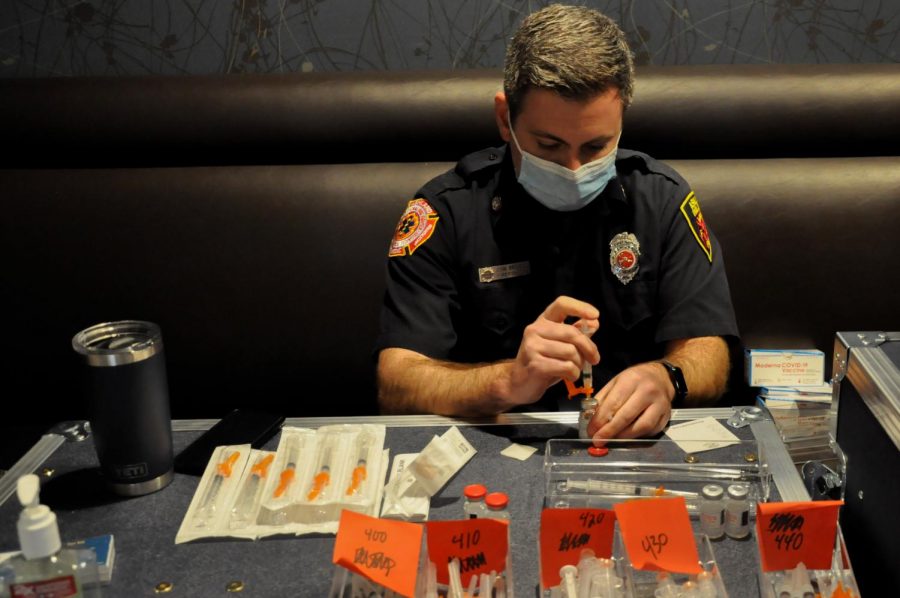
(250, 216)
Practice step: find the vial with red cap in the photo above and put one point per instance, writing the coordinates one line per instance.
(474, 505)
(497, 504)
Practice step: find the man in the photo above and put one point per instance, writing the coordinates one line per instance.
(494, 261)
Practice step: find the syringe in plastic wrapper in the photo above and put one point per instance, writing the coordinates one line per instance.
(207, 508)
(289, 471)
(360, 473)
(322, 477)
(251, 492)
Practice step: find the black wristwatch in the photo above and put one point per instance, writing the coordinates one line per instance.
(678, 382)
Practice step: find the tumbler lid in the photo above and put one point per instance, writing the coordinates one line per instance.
(118, 343)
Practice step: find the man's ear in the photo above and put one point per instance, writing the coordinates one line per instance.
(501, 115)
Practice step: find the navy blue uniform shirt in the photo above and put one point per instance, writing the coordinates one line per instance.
(477, 216)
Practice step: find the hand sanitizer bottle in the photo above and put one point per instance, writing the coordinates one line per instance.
(44, 568)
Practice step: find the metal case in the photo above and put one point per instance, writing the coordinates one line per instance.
(867, 427)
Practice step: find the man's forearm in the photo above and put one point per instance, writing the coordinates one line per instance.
(704, 362)
(409, 382)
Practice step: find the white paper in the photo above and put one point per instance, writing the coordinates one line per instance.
(410, 507)
(437, 463)
(518, 451)
(704, 434)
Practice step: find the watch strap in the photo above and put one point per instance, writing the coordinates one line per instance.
(678, 383)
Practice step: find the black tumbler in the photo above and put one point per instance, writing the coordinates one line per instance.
(128, 398)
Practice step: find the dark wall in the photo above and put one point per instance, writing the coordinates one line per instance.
(43, 38)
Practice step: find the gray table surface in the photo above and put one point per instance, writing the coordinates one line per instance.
(145, 527)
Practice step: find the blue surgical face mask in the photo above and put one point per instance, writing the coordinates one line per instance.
(560, 188)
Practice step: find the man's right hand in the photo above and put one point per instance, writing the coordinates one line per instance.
(552, 350)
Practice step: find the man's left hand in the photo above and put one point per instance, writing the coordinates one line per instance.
(635, 403)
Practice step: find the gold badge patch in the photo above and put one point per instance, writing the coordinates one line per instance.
(690, 207)
(415, 227)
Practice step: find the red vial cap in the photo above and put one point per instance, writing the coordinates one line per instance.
(475, 491)
(497, 500)
(598, 451)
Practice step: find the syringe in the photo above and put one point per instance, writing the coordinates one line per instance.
(323, 474)
(604, 581)
(569, 576)
(289, 470)
(454, 582)
(224, 467)
(587, 370)
(358, 475)
(606, 487)
(587, 375)
(251, 491)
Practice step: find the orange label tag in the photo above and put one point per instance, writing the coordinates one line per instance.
(383, 551)
(791, 532)
(481, 545)
(566, 532)
(658, 535)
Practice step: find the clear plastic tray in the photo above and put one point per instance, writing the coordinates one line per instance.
(823, 581)
(645, 582)
(636, 583)
(646, 469)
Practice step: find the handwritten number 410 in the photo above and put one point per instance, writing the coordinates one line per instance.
(654, 544)
(467, 540)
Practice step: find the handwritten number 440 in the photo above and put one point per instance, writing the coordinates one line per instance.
(654, 544)
(788, 528)
(792, 541)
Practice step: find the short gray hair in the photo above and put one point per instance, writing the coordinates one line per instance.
(574, 51)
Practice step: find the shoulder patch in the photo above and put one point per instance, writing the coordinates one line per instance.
(416, 226)
(690, 207)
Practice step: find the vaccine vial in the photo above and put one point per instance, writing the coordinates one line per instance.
(474, 505)
(712, 511)
(497, 503)
(737, 511)
(588, 408)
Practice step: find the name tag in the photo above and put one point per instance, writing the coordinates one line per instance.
(492, 273)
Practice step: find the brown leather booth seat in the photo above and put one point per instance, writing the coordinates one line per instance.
(250, 216)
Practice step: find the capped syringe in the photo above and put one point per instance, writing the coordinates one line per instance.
(251, 491)
(359, 473)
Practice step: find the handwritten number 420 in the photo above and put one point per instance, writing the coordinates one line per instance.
(654, 544)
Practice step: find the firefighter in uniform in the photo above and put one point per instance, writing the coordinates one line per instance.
(493, 262)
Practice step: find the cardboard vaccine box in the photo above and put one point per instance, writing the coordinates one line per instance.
(774, 367)
(867, 428)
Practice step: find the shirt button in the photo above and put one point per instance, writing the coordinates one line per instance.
(496, 203)
(492, 156)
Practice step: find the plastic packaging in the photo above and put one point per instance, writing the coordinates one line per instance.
(301, 488)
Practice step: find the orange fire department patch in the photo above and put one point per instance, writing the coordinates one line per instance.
(416, 226)
(690, 207)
